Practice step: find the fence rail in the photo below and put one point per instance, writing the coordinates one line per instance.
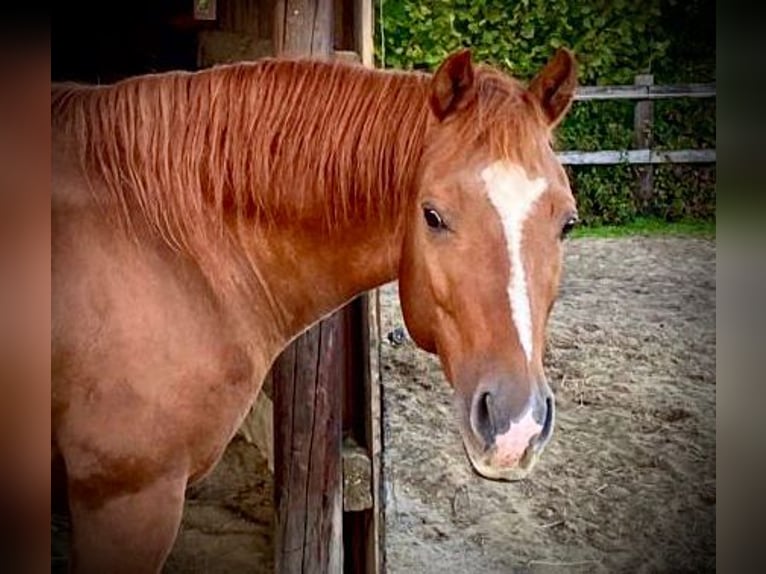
(645, 92)
(637, 156)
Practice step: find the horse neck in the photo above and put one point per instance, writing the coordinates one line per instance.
(307, 276)
(308, 267)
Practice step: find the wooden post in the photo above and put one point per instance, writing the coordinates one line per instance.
(307, 469)
(308, 381)
(362, 526)
(364, 22)
(643, 124)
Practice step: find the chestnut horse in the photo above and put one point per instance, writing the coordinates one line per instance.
(201, 221)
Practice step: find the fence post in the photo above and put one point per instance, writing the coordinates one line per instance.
(643, 124)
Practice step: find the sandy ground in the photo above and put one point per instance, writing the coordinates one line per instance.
(626, 485)
(228, 521)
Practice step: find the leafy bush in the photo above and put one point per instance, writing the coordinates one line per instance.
(613, 41)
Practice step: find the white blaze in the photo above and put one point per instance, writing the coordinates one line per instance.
(513, 195)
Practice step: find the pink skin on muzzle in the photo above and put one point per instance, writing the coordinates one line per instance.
(510, 446)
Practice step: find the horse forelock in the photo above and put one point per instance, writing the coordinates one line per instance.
(508, 122)
(504, 123)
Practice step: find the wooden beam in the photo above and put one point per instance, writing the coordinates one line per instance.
(637, 156)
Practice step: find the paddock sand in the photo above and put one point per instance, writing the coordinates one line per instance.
(626, 485)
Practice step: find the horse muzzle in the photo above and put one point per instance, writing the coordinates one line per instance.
(504, 440)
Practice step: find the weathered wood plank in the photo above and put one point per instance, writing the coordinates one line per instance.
(303, 27)
(307, 473)
(585, 93)
(323, 543)
(289, 490)
(637, 156)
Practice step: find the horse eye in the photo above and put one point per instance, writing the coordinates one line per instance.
(568, 226)
(433, 219)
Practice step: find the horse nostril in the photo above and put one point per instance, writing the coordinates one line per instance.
(484, 418)
(547, 428)
(548, 417)
(488, 401)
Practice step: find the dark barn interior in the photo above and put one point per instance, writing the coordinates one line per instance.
(101, 42)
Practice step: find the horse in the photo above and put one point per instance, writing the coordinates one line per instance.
(202, 220)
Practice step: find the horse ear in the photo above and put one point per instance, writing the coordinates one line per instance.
(452, 86)
(555, 85)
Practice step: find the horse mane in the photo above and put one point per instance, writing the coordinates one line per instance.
(272, 140)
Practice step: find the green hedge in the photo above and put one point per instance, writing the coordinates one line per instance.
(614, 41)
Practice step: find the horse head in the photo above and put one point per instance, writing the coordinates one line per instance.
(482, 254)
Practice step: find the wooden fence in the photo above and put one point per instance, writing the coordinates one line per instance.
(644, 92)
